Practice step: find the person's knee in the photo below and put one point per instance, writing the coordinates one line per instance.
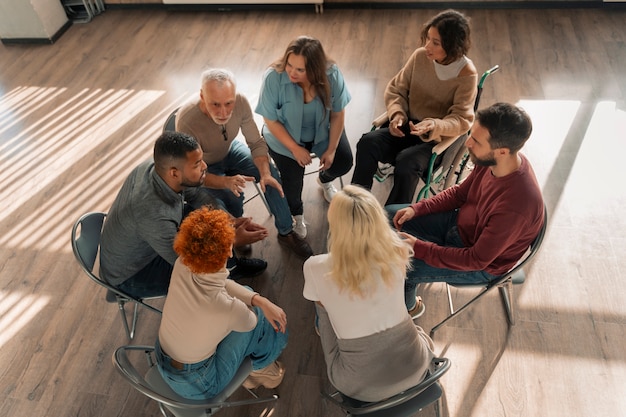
(407, 166)
(367, 143)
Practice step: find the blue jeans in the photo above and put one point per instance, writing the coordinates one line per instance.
(207, 378)
(239, 161)
(441, 229)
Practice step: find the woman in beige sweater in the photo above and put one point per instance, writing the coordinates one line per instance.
(431, 99)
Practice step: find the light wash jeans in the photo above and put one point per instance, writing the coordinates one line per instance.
(441, 229)
(239, 161)
(206, 379)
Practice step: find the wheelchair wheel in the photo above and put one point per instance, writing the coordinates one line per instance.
(459, 169)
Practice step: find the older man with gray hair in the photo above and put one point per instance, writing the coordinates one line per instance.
(215, 119)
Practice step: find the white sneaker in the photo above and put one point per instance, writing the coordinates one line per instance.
(328, 188)
(298, 226)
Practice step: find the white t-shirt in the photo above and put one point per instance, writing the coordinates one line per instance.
(350, 315)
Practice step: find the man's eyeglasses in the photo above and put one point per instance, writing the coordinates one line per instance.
(224, 135)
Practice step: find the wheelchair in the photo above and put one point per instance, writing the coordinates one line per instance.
(449, 163)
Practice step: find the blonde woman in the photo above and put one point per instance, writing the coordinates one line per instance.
(371, 346)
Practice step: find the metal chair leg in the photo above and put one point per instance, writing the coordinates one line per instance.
(262, 196)
(506, 292)
(121, 302)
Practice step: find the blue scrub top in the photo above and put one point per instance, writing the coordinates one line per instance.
(282, 100)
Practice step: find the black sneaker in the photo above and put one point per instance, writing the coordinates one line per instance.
(296, 244)
(247, 268)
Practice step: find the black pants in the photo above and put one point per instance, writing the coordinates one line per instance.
(410, 156)
(292, 174)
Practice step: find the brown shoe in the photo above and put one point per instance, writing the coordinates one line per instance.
(270, 377)
(296, 244)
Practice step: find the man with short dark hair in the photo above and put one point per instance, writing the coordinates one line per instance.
(477, 230)
(214, 119)
(136, 248)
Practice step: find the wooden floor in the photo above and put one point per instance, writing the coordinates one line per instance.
(77, 116)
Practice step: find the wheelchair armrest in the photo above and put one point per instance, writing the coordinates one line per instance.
(380, 120)
(443, 145)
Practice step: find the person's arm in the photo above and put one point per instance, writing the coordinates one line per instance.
(397, 98)
(494, 239)
(274, 314)
(340, 97)
(265, 175)
(300, 154)
(334, 135)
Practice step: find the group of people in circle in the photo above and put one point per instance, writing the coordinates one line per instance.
(176, 227)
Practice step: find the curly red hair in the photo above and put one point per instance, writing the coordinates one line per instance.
(204, 240)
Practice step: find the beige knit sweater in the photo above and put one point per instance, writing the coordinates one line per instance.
(418, 94)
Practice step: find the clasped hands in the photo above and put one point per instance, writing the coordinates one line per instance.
(247, 232)
(398, 128)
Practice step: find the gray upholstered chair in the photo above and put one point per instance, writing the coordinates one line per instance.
(404, 404)
(152, 385)
(85, 244)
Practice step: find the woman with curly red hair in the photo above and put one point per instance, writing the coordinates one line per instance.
(211, 323)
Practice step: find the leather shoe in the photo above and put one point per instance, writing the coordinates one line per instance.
(298, 245)
(247, 268)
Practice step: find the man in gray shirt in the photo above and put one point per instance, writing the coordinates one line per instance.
(136, 249)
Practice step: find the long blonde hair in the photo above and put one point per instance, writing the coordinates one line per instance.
(361, 242)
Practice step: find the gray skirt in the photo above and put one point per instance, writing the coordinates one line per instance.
(375, 367)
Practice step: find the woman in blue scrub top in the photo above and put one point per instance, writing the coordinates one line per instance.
(302, 101)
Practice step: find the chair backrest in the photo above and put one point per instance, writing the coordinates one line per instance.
(170, 123)
(86, 234)
(153, 386)
(405, 403)
(86, 241)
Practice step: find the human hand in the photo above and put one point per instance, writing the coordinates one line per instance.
(274, 314)
(326, 160)
(302, 156)
(409, 239)
(247, 232)
(396, 126)
(422, 127)
(402, 216)
(272, 182)
(236, 183)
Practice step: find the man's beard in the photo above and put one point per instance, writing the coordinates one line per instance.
(487, 162)
(189, 184)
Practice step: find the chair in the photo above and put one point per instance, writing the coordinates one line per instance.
(454, 163)
(85, 244)
(504, 283)
(153, 386)
(404, 404)
(170, 125)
